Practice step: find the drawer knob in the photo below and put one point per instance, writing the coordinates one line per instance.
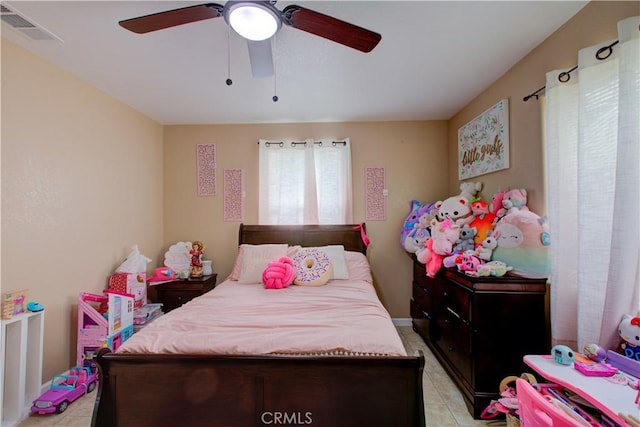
(450, 349)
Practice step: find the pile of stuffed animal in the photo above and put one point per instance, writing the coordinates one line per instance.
(479, 238)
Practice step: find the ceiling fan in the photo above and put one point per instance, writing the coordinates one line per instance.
(257, 21)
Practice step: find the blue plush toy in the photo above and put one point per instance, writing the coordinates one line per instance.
(419, 217)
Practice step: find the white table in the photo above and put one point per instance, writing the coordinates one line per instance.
(610, 398)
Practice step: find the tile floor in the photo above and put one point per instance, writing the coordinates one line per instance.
(444, 406)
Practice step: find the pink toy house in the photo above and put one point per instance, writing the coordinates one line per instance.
(103, 321)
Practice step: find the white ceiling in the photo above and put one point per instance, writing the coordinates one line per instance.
(434, 58)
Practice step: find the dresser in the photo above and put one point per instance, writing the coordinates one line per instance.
(175, 293)
(479, 329)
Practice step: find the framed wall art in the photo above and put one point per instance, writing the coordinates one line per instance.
(206, 169)
(376, 202)
(483, 143)
(232, 204)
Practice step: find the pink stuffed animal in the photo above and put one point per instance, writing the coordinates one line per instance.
(496, 202)
(467, 262)
(431, 259)
(440, 244)
(514, 200)
(279, 274)
(444, 235)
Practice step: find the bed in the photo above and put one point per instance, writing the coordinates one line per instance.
(170, 374)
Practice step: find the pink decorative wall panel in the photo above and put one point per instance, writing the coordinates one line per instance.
(376, 201)
(232, 195)
(206, 169)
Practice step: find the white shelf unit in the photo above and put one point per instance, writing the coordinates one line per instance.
(21, 345)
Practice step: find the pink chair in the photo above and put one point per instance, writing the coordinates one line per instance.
(82, 376)
(73, 372)
(536, 411)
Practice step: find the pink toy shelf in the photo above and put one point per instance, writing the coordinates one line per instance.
(103, 321)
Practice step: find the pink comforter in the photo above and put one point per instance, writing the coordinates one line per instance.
(344, 316)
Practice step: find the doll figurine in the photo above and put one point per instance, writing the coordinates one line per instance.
(196, 252)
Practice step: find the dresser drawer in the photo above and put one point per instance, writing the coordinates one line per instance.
(423, 297)
(455, 343)
(173, 294)
(458, 300)
(423, 322)
(420, 276)
(172, 299)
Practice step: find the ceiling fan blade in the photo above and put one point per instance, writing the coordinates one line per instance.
(172, 18)
(330, 28)
(261, 58)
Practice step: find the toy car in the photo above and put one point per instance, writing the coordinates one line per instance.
(65, 389)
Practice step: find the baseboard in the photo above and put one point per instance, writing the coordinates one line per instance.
(402, 321)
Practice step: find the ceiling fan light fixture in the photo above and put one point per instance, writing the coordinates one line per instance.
(253, 20)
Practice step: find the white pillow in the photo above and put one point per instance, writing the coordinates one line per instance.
(338, 260)
(358, 265)
(255, 259)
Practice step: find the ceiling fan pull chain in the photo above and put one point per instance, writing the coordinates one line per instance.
(229, 81)
(275, 74)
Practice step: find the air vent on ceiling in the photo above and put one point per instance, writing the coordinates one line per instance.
(24, 26)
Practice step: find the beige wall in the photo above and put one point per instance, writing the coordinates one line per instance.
(411, 152)
(595, 23)
(81, 183)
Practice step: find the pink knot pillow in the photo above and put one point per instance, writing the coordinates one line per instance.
(278, 274)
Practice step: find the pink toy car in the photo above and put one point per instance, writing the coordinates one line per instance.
(64, 390)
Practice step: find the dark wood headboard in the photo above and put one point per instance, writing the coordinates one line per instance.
(347, 235)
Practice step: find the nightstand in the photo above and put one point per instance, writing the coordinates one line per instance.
(174, 294)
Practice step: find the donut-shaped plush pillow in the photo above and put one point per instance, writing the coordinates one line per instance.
(312, 267)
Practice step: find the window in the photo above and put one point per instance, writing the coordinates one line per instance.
(306, 182)
(592, 135)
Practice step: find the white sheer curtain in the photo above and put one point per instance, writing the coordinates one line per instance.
(305, 183)
(592, 138)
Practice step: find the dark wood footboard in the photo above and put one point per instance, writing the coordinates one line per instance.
(189, 390)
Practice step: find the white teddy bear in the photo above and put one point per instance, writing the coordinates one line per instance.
(458, 208)
(470, 189)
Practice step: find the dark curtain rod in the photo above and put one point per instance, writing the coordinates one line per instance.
(565, 76)
(294, 143)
